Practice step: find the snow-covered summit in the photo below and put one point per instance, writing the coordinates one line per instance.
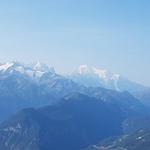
(6, 66)
(35, 70)
(101, 73)
(84, 69)
(97, 77)
(92, 76)
(38, 66)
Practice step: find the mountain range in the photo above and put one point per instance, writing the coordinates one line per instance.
(42, 110)
(37, 84)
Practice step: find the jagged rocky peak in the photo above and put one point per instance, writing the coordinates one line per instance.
(38, 66)
(5, 66)
(32, 70)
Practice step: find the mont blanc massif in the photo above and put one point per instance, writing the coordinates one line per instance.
(89, 109)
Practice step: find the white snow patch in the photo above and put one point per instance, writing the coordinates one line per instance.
(102, 73)
(6, 66)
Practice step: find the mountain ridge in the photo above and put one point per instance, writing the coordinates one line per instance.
(73, 123)
(19, 90)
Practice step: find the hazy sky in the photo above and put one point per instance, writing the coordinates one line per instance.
(111, 34)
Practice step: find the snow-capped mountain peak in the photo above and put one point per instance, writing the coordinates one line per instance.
(38, 66)
(92, 76)
(101, 73)
(84, 69)
(6, 66)
(34, 71)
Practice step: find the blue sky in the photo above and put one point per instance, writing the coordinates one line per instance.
(111, 34)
